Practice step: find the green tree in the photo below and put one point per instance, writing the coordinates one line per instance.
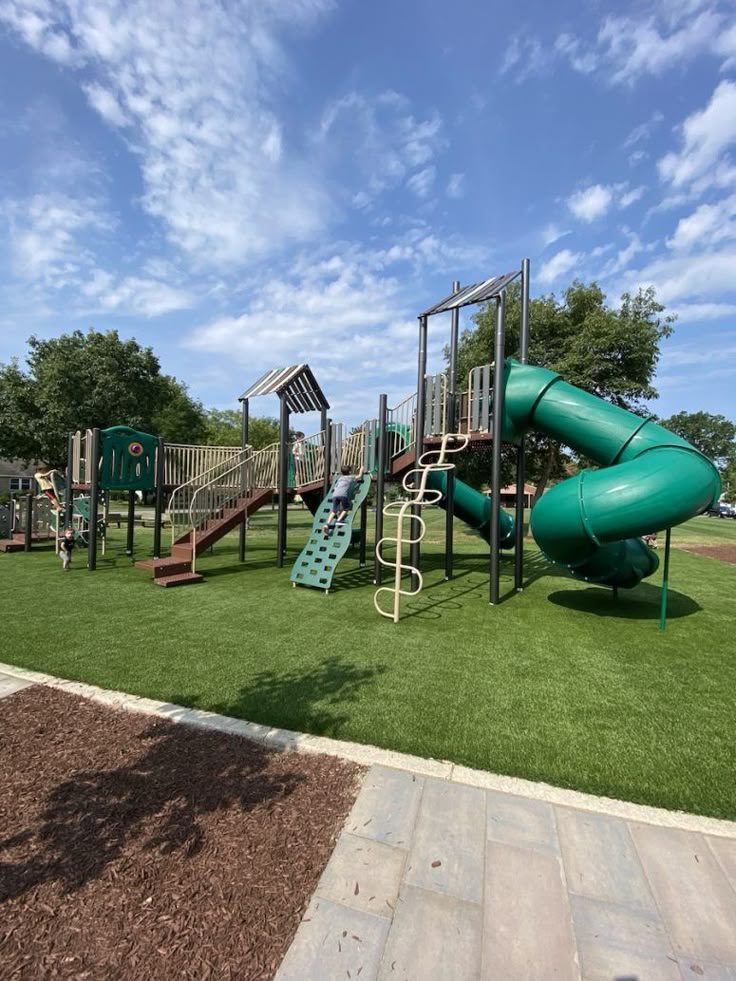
(611, 352)
(79, 381)
(224, 429)
(728, 479)
(715, 436)
(179, 418)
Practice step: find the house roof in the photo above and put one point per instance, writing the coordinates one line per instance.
(295, 384)
(17, 468)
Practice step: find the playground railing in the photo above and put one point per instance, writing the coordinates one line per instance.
(435, 411)
(352, 454)
(81, 448)
(400, 425)
(183, 461)
(480, 383)
(208, 501)
(309, 459)
(181, 498)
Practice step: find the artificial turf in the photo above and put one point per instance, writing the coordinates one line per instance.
(560, 683)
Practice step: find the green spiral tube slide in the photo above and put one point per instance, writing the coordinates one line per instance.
(650, 478)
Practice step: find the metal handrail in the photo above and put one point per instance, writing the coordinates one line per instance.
(400, 421)
(309, 459)
(180, 499)
(259, 469)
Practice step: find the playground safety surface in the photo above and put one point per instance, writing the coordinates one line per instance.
(133, 847)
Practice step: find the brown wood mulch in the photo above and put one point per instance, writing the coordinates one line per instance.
(137, 848)
(726, 553)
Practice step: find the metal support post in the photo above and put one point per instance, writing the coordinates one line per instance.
(498, 357)
(28, 541)
(159, 506)
(69, 499)
(131, 523)
(363, 531)
(665, 580)
(243, 442)
(451, 424)
(93, 459)
(381, 465)
(328, 457)
(283, 481)
(414, 552)
(520, 450)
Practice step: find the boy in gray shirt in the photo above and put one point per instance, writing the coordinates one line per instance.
(342, 497)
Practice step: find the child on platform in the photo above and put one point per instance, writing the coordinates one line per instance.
(66, 547)
(342, 497)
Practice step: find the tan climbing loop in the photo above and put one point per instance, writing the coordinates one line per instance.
(418, 494)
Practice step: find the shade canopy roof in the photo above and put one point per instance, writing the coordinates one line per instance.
(295, 384)
(477, 293)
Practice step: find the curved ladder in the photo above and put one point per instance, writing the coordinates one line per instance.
(421, 494)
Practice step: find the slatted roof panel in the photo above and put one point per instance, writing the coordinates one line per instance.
(477, 293)
(296, 384)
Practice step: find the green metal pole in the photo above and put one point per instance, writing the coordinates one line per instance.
(665, 580)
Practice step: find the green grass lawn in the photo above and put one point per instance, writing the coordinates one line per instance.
(561, 683)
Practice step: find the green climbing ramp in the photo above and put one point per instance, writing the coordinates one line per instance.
(319, 558)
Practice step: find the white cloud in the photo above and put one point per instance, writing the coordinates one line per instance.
(659, 37)
(45, 236)
(553, 233)
(590, 202)
(595, 201)
(421, 183)
(633, 47)
(643, 131)
(134, 295)
(706, 277)
(105, 103)
(456, 186)
(630, 197)
(705, 135)
(707, 225)
(387, 143)
(193, 78)
(561, 263)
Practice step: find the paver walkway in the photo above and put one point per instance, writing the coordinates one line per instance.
(435, 878)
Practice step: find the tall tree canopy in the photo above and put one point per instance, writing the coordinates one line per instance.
(611, 352)
(79, 381)
(224, 429)
(713, 435)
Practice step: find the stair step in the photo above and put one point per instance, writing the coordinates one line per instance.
(11, 545)
(181, 551)
(181, 579)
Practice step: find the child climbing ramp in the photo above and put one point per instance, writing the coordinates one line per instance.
(320, 556)
(344, 491)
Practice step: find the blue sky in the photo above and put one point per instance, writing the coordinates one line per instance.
(245, 185)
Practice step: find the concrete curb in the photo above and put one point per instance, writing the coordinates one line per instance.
(284, 740)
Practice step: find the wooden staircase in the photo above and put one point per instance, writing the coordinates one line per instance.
(176, 569)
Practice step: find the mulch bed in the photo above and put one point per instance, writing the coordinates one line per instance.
(136, 848)
(726, 553)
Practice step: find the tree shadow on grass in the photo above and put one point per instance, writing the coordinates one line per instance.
(159, 797)
(641, 603)
(309, 698)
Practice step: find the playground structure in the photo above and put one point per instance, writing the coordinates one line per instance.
(590, 524)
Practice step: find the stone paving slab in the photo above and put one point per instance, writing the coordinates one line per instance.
(434, 937)
(9, 685)
(615, 942)
(335, 942)
(601, 861)
(519, 821)
(387, 806)
(527, 920)
(364, 875)
(697, 902)
(447, 854)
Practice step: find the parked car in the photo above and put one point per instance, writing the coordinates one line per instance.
(722, 511)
